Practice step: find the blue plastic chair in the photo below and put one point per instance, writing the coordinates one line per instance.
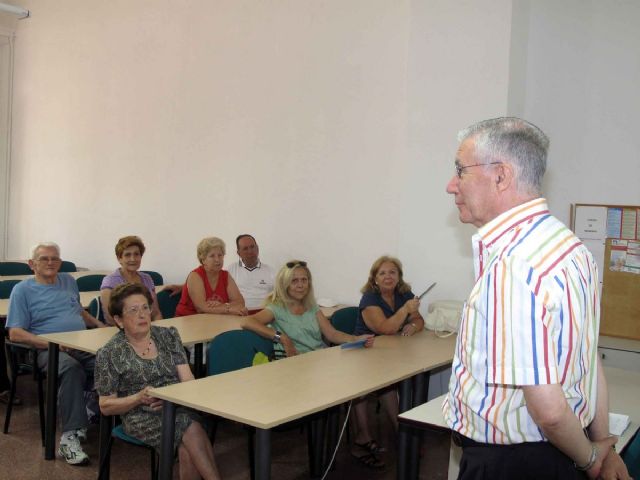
(167, 303)
(237, 349)
(89, 283)
(68, 266)
(631, 457)
(118, 432)
(23, 359)
(15, 268)
(155, 276)
(234, 350)
(231, 351)
(6, 286)
(95, 309)
(345, 319)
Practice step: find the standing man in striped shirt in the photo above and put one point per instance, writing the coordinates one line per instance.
(526, 385)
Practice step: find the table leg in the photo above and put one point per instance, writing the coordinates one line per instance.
(198, 364)
(420, 394)
(403, 430)
(166, 440)
(317, 425)
(106, 425)
(263, 454)
(52, 402)
(333, 432)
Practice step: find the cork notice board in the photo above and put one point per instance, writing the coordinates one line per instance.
(620, 315)
(612, 234)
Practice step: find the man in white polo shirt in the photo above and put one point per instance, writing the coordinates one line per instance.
(254, 278)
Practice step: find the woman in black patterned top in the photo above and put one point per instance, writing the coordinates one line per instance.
(140, 357)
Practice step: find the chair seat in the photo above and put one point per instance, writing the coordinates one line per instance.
(14, 351)
(119, 432)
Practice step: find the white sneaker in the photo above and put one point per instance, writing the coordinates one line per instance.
(71, 450)
(81, 433)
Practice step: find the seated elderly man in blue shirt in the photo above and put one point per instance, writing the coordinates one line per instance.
(50, 303)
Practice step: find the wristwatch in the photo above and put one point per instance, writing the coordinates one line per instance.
(277, 336)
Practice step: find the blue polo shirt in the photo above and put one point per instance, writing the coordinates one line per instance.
(39, 308)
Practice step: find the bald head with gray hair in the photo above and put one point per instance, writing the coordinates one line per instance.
(514, 141)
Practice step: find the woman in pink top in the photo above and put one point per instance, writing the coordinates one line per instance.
(209, 288)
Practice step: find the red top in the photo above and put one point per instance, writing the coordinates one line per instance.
(186, 306)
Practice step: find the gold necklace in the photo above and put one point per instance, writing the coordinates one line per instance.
(147, 350)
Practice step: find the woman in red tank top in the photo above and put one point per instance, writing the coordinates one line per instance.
(209, 288)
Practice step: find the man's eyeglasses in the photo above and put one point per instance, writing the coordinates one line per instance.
(296, 264)
(49, 259)
(460, 168)
(136, 309)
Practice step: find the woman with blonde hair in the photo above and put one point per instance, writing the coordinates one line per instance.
(209, 288)
(298, 324)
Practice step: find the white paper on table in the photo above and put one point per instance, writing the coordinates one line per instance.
(618, 423)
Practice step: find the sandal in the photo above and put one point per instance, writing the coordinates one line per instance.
(371, 446)
(371, 461)
(4, 398)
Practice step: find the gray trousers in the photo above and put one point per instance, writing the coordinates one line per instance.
(75, 375)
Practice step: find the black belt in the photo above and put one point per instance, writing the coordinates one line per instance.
(465, 442)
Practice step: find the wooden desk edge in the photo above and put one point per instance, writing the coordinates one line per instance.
(159, 393)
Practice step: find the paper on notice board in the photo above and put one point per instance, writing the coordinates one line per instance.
(625, 256)
(591, 222)
(614, 222)
(629, 222)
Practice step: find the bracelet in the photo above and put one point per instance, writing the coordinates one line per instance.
(592, 459)
(226, 307)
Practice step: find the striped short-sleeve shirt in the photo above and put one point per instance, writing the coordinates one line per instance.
(532, 318)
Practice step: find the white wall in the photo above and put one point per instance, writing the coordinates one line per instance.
(325, 128)
(577, 78)
(458, 74)
(7, 28)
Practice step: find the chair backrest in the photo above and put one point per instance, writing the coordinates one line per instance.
(167, 303)
(6, 286)
(234, 350)
(155, 276)
(15, 268)
(345, 319)
(631, 457)
(68, 266)
(95, 309)
(89, 283)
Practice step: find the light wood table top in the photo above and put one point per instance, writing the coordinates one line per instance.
(192, 329)
(294, 387)
(624, 344)
(624, 391)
